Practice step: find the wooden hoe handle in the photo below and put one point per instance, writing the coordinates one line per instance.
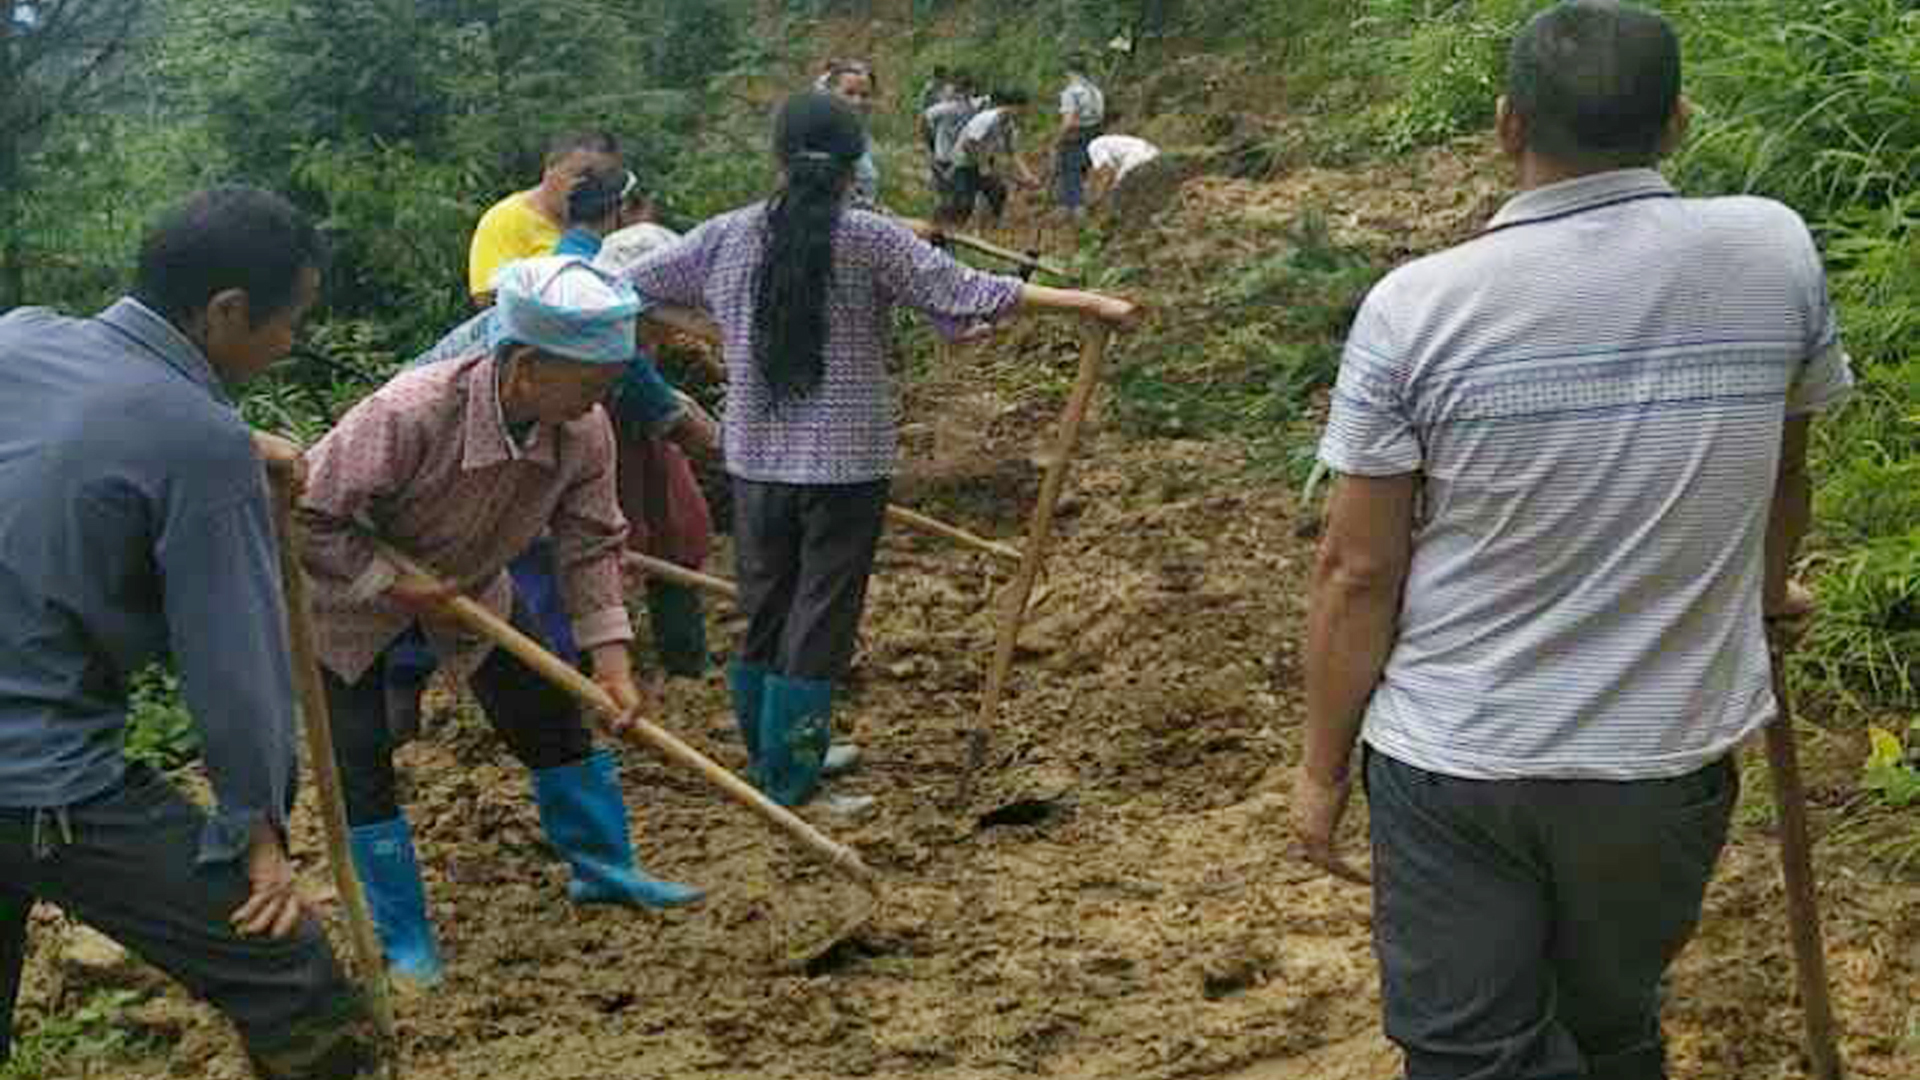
(1796, 868)
(318, 725)
(1093, 351)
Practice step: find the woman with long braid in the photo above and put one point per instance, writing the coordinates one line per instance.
(802, 287)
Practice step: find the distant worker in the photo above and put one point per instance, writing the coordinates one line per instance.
(124, 540)
(939, 87)
(854, 83)
(1571, 460)
(943, 122)
(984, 151)
(529, 223)
(463, 464)
(802, 287)
(1083, 113)
(1113, 157)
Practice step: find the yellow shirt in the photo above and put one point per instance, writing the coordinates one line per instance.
(512, 229)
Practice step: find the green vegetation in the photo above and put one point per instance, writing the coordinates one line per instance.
(65, 1043)
(160, 731)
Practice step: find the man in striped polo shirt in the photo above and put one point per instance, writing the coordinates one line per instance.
(1571, 482)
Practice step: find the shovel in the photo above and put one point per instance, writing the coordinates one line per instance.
(481, 620)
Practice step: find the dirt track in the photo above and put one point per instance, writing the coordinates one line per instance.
(1130, 912)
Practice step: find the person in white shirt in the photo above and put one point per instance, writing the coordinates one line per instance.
(982, 153)
(1113, 157)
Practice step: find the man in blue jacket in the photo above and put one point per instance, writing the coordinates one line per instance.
(135, 522)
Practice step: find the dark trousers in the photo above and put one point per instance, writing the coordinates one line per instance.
(803, 553)
(125, 862)
(540, 724)
(966, 187)
(1070, 165)
(1523, 926)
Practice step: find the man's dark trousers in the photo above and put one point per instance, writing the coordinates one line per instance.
(1523, 926)
(125, 863)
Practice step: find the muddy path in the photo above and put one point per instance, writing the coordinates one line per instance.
(1115, 902)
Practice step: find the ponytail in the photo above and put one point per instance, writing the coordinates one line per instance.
(817, 141)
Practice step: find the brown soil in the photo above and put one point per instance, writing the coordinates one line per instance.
(1117, 900)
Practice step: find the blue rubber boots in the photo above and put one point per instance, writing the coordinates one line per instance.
(786, 725)
(390, 877)
(585, 817)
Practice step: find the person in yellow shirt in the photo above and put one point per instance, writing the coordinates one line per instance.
(529, 223)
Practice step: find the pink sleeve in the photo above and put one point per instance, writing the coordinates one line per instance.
(368, 455)
(589, 533)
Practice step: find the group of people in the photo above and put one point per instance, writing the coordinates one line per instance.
(971, 136)
(1570, 457)
(521, 458)
(972, 143)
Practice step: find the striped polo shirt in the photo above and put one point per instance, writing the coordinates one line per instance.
(1593, 393)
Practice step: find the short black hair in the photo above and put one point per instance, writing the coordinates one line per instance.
(1012, 96)
(596, 198)
(593, 142)
(1596, 81)
(222, 238)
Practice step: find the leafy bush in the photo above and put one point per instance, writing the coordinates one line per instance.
(1272, 341)
(400, 229)
(160, 731)
(71, 1042)
(1821, 110)
(1893, 769)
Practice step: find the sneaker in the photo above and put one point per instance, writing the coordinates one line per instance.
(841, 757)
(845, 805)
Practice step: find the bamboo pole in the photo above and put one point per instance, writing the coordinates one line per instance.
(933, 231)
(481, 620)
(680, 575)
(326, 769)
(1093, 352)
(1796, 868)
(900, 515)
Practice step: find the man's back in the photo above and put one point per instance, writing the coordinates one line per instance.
(986, 135)
(946, 120)
(107, 454)
(1593, 395)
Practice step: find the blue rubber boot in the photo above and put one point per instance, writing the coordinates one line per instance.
(748, 684)
(794, 735)
(586, 818)
(390, 878)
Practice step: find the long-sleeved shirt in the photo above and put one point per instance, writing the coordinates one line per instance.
(134, 522)
(844, 431)
(427, 463)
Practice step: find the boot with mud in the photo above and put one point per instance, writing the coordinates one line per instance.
(746, 684)
(585, 817)
(796, 742)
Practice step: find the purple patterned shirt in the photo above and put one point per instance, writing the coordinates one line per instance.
(843, 432)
